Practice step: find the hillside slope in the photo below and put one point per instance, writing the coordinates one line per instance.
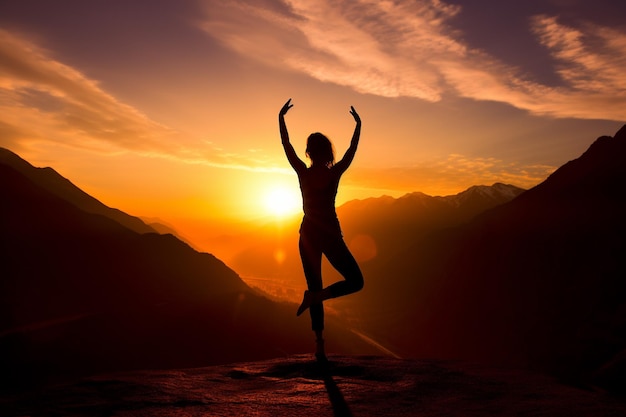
(81, 293)
(60, 186)
(538, 281)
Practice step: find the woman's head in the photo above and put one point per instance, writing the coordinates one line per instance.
(320, 150)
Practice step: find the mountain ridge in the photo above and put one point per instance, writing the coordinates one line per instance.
(81, 293)
(51, 180)
(496, 191)
(374, 228)
(538, 281)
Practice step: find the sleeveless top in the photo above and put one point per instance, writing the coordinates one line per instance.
(319, 189)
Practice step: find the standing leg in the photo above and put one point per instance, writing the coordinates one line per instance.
(320, 352)
(311, 256)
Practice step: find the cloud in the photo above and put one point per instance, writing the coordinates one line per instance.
(371, 46)
(409, 48)
(448, 176)
(39, 95)
(44, 100)
(589, 62)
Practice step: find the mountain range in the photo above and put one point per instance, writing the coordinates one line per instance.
(375, 229)
(495, 274)
(539, 281)
(82, 292)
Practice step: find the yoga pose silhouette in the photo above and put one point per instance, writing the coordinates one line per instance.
(320, 232)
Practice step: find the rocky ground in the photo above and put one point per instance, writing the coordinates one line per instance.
(297, 386)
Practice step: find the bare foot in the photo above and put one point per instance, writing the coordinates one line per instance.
(307, 300)
(320, 354)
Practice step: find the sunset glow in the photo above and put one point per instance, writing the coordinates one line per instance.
(174, 115)
(282, 201)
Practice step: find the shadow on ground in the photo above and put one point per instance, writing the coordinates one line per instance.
(298, 386)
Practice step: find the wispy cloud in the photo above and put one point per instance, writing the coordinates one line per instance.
(39, 95)
(44, 100)
(374, 47)
(589, 60)
(449, 175)
(409, 48)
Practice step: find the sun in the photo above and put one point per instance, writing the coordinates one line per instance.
(282, 201)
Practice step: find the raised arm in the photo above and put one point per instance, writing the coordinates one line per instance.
(296, 163)
(354, 143)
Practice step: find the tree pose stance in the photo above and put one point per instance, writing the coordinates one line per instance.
(320, 232)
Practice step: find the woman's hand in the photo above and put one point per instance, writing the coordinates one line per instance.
(285, 108)
(354, 114)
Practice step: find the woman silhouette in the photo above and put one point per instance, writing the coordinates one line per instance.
(320, 232)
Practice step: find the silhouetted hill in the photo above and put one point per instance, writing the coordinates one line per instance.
(56, 184)
(163, 228)
(81, 293)
(597, 173)
(539, 281)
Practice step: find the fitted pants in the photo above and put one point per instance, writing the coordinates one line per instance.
(312, 247)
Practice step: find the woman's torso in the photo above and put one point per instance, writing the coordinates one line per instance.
(319, 189)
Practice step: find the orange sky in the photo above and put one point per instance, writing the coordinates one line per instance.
(170, 110)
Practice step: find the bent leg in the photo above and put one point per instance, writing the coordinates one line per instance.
(311, 256)
(342, 260)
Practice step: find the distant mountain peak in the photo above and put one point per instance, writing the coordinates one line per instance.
(498, 189)
(414, 194)
(497, 193)
(414, 213)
